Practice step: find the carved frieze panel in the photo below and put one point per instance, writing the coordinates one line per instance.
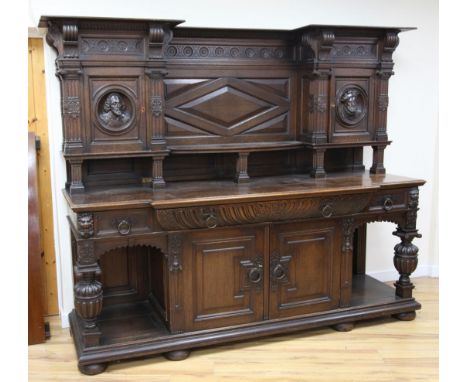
(346, 51)
(111, 46)
(247, 213)
(236, 52)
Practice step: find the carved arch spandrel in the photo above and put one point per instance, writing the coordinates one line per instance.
(104, 246)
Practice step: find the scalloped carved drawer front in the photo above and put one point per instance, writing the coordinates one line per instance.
(259, 212)
(388, 201)
(123, 222)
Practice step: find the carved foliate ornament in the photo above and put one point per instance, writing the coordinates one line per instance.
(156, 105)
(351, 105)
(174, 249)
(318, 103)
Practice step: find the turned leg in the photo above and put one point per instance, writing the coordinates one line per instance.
(378, 160)
(177, 355)
(406, 253)
(318, 158)
(242, 175)
(158, 179)
(76, 174)
(92, 369)
(88, 293)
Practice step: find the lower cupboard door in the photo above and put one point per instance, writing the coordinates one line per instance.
(304, 268)
(224, 276)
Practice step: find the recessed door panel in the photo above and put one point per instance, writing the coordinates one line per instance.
(304, 268)
(226, 274)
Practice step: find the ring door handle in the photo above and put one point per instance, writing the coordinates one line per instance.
(256, 274)
(327, 210)
(124, 227)
(388, 204)
(211, 221)
(279, 272)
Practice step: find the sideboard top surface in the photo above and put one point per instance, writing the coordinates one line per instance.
(178, 194)
(45, 19)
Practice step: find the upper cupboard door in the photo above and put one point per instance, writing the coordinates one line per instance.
(304, 268)
(224, 277)
(225, 106)
(115, 109)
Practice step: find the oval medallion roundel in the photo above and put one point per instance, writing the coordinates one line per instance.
(351, 102)
(115, 111)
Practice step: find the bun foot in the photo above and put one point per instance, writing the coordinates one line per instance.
(345, 327)
(93, 369)
(177, 355)
(405, 316)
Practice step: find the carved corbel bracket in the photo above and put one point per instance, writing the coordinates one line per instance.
(70, 40)
(320, 43)
(390, 43)
(159, 36)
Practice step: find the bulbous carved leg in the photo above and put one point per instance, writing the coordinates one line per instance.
(88, 293)
(405, 261)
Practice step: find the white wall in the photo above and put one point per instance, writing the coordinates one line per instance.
(412, 114)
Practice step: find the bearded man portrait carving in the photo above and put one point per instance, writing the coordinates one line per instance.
(352, 107)
(114, 113)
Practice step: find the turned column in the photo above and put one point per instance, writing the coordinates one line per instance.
(406, 253)
(242, 175)
(378, 160)
(318, 158)
(76, 176)
(88, 292)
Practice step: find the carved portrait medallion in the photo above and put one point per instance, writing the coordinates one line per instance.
(351, 105)
(115, 111)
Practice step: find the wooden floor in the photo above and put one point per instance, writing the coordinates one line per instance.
(377, 350)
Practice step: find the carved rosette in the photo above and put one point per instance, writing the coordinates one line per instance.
(88, 301)
(85, 224)
(174, 249)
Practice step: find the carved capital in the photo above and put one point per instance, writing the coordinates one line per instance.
(174, 255)
(156, 74)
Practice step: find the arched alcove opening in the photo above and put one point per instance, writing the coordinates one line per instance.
(135, 293)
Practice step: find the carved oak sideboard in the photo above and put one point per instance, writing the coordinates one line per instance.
(216, 183)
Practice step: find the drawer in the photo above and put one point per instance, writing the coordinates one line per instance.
(123, 222)
(388, 201)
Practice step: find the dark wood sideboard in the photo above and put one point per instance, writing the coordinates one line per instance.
(216, 183)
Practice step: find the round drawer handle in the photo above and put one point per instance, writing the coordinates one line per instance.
(211, 221)
(327, 211)
(124, 227)
(388, 204)
(255, 275)
(279, 272)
